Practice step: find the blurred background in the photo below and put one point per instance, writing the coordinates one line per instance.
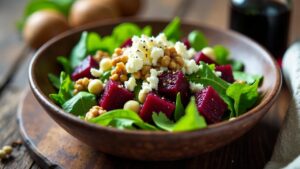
(15, 51)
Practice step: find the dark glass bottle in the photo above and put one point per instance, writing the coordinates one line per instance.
(265, 21)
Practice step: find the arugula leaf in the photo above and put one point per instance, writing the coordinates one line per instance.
(108, 44)
(179, 109)
(80, 103)
(207, 77)
(93, 42)
(197, 40)
(65, 89)
(236, 65)
(192, 120)
(222, 54)
(54, 80)
(65, 63)
(172, 30)
(249, 78)
(147, 30)
(108, 118)
(80, 51)
(121, 123)
(124, 31)
(162, 121)
(244, 96)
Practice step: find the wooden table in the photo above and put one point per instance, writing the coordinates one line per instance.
(15, 57)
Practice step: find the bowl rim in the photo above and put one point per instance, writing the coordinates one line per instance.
(46, 102)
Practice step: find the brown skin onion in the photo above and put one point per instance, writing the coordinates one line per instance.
(129, 7)
(43, 25)
(87, 11)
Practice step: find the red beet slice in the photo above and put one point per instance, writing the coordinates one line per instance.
(126, 43)
(170, 83)
(227, 74)
(114, 96)
(84, 69)
(200, 56)
(210, 105)
(154, 103)
(186, 42)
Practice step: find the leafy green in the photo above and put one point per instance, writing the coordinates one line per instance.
(65, 91)
(197, 40)
(109, 118)
(249, 78)
(79, 51)
(172, 30)
(80, 103)
(179, 109)
(207, 77)
(108, 44)
(222, 54)
(54, 80)
(236, 65)
(124, 31)
(137, 89)
(62, 6)
(192, 120)
(93, 42)
(147, 30)
(105, 75)
(65, 63)
(244, 96)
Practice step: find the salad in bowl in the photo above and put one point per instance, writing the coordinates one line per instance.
(134, 80)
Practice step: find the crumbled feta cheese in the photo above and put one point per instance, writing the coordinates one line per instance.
(218, 73)
(146, 87)
(156, 53)
(153, 79)
(130, 83)
(134, 64)
(96, 72)
(190, 66)
(181, 49)
(195, 87)
(209, 52)
(191, 53)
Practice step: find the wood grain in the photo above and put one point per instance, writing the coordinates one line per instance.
(45, 141)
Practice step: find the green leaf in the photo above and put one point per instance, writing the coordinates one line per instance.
(79, 52)
(249, 78)
(147, 30)
(172, 30)
(179, 109)
(197, 40)
(162, 121)
(191, 120)
(108, 44)
(222, 54)
(93, 42)
(105, 75)
(54, 80)
(124, 31)
(128, 118)
(207, 77)
(65, 89)
(245, 96)
(80, 103)
(65, 63)
(236, 65)
(137, 89)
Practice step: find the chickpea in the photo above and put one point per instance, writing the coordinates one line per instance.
(209, 52)
(105, 64)
(132, 105)
(95, 86)
(7, 149)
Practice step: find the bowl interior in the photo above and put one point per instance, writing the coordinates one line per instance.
(255, 58)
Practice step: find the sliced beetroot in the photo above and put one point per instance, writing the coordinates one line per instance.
(154, 103)
(200, 56)
(126, 43)
(114, 96)
(210, 105)
(226, 71)
(186, 42)
(170, 83)
(84, 69)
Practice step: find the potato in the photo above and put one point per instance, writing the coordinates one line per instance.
(129, 7)
(43, 25)
(87, 11)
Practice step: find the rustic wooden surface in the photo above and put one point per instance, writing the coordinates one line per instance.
(13, 80)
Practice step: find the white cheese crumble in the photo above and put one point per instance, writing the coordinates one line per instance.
(191, 53)
(190, 67)
(195, 87)
(153, 79)
(130, 83)
(156, 53)
(218, 73)
(181, 50)
(96, 72)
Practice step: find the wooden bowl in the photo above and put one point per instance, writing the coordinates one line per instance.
(147, 145)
